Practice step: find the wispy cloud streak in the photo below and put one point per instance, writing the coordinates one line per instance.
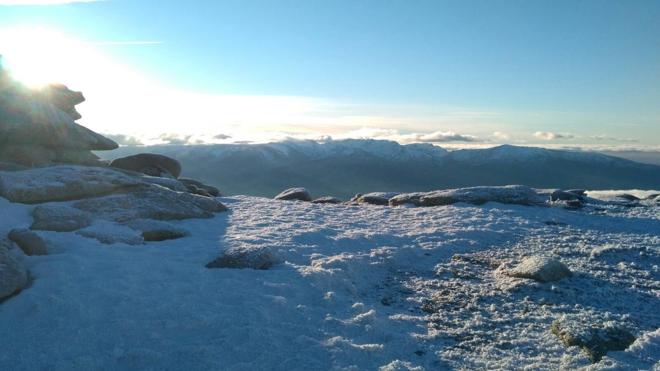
(43, 2)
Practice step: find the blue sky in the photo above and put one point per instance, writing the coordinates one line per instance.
(551, 72)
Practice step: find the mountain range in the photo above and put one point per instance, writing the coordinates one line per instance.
(343, 168)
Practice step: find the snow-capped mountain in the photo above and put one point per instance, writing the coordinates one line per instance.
(345, 167)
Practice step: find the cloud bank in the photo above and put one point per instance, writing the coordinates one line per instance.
(547, 135)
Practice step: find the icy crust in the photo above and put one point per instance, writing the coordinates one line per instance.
(351, 287)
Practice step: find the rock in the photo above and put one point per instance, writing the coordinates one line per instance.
(239, 258)
(59, 218)
(63, 98)
(376, 198)
(62, 183)
(356, 197)
(150, 164)
(326, 200)
(560, 195)
(155, 230)
(213, 191)
(513, 194)
(110, 233)
(628, 197)
(30, 242)
(649, 197)
(541, 269)
(578, 192)
(13, 275)
(596, 340)
(150, 202)
(406, 199)
(299, 194)
(37, 127)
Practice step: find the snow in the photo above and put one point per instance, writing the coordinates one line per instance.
(356, 287)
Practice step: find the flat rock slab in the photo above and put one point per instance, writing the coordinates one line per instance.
(512, 194)
(237, 258)
(59, 218)
(62, 183)
(541, 269)
(150, 202)
(326, 200)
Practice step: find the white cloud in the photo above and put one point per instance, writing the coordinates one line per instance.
(443, 137)
(500, 135)
(44, 2)
(546, 135)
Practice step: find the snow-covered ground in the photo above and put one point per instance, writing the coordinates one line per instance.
(356, 287)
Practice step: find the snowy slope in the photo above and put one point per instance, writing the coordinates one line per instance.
(357, 287)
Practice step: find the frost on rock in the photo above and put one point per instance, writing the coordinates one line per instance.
(110, 233)
(299, 194)
(512, 194)
(150, 202)
(541, 269)
(59, 218)
(13, 275)
(594, 340)
(62, 183)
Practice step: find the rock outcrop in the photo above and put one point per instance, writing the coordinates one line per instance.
(595, 340)
(37, 127)
(62, 183)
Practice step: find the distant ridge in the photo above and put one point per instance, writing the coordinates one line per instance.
(344, 167)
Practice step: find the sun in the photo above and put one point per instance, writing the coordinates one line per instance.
(39, 56)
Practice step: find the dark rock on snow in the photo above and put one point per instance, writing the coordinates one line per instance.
(326, 200)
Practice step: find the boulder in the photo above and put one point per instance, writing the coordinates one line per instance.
(541, 269)
(299, 194)
(150, 164)
(156, 230)
(30, 242)
(594, 339)
(59, 218)
(62, 183)
(13, 275)
(326, 200)
(213, 191)
(578, 192)
(512, 194)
